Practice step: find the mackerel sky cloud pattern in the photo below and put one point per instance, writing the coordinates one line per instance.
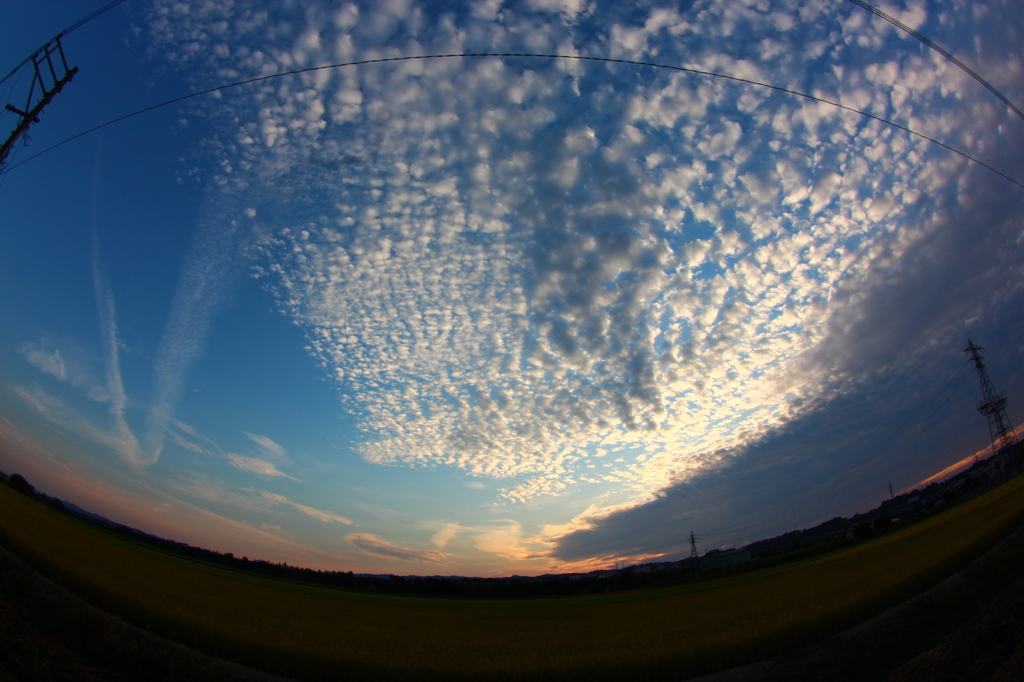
(594, 288)
(519, 267)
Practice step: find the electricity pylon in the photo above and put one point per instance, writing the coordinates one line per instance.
(693, 545)
(43, 57)
(993, 403)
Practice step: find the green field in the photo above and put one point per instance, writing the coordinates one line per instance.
(316, 633)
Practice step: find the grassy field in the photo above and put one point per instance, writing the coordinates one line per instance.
(317, 633)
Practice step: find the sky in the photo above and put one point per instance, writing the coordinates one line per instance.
(506, 315)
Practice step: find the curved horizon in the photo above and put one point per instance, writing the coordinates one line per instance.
(506, 315)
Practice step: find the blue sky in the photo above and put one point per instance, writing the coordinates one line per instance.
(506, 315)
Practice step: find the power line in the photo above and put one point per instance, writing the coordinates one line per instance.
(78, 24)
(924, 39)
(42, 57)
(609, 60)
(45, 58)
(915, 425)
(922, 418)
(87, 19)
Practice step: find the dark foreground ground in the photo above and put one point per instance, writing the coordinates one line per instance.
(968, 629)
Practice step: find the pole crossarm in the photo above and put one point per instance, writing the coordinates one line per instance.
(30, 114)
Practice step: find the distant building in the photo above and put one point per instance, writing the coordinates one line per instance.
(725, 558)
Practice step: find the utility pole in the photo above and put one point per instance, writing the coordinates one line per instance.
(693, 545)
(43, 57)
(993, 403)
(892, 496)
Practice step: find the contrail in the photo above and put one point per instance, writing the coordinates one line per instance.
(209, 270)
(127, 445)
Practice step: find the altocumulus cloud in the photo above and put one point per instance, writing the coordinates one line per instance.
(540, 263)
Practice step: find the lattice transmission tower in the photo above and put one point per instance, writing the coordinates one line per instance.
(693, 545)
(993, 403)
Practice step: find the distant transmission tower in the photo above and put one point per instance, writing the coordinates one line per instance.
(693, 545)
(993, 403)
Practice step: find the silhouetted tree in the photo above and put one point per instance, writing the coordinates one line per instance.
(18, 482)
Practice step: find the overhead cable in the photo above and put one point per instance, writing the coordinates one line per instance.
(924, 39)
(69, 29)
(381, 60)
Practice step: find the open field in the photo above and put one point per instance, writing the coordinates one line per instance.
(316, 633)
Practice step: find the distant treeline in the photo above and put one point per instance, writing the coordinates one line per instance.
(792, 546)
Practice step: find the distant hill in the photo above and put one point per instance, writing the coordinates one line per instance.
(79, 511)
(71, 506)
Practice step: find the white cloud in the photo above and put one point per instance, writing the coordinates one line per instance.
(128, 445)
(569, 8)
(378, 547)
(272, 449)
(214, 491)
(189, 438)
(217, 492)
(50, 362)
(57, 412)
(534, 267)
(318, 514)
(486, 10)
(180, 440)
(444, 536)
(549, 484)
(256, 465)
(207, 274)
(65, 361)
(503, 539)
